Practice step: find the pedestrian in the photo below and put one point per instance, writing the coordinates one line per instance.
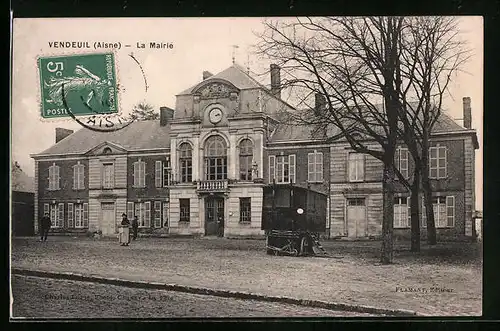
(124, 236)
(220, 226)
(135, 227)
(45, 224)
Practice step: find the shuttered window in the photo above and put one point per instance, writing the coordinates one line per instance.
(71, 221)
(85, 215)
(272, 161)
(130, 210)
(60, 216)
(315, 167)
(158, 173)
(401, 161)
(78, 176)
(402, 213)
(140, 174)
(157, 218)
(356, 167)
(283, 167)
(165, 214)
(54, 177)
(438, 162)
(143, 213)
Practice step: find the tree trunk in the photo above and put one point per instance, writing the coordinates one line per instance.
(426, 184)
(388, 214)
(415, 219)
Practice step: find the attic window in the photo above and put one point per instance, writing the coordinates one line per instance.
(107, 150)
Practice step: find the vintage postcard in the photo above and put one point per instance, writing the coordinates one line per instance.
(293, 167)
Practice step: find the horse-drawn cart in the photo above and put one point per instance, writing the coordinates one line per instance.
(292, 218)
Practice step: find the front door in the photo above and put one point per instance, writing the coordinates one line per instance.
(108, 219)
(356, 217)
(214, 216)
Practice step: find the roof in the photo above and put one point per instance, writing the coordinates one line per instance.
(236, 75)
(21, 182)
(138, 135)
(289, 132)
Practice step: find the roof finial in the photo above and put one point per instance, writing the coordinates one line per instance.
(234, 52)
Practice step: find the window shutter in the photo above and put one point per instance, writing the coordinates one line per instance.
(75, 177)
(85, 215)
(445, 162)
(158, 173)
(396, 214)
(60, 215)
(320, 167)
(82, 176)
(157, 205)
(272, 167)
(424, 215)
(142, 181)
(50, 177)
(58, 179)
(71, 223)
(291, 167)
(311, 164)
(165, 214)
(130, 210)
(137, 212)
(450, 211)
(147, 213)
(409, 213)
(135, 174)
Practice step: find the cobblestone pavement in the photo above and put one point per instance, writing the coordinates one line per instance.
(442, 281)
(50, 298)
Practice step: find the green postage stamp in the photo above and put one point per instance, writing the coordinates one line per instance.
(84, 84)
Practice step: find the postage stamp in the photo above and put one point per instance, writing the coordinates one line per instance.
(84, 84)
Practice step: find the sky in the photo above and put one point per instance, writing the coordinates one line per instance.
(199, 44)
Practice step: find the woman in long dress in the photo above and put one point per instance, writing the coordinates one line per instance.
(124, 236)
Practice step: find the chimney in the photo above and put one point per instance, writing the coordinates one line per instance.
(62, 133)
(166, 114)
(207, 74)
(319, 101)
(467, 113)
(275, 81)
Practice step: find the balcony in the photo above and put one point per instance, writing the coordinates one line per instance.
(210, 186)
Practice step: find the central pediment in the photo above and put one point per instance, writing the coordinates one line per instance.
(214, 89)
(105, 148)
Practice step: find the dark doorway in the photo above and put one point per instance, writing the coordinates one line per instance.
(214, 216)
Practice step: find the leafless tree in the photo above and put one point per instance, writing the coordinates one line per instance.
(349, 65)
(431, 53)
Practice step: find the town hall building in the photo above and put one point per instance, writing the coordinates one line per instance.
(205, 163)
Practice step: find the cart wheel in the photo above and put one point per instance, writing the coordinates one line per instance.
(295, 252)
(305, 248)
(276, 253)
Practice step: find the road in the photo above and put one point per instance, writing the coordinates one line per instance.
(35, 297)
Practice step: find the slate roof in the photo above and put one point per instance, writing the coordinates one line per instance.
(287, 132)
(138, 135)
(236, 75)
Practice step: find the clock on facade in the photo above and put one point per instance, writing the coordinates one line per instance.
(215, 115)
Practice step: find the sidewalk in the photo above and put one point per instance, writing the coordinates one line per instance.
(243, 266)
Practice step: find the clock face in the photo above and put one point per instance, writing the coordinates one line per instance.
(215, 115)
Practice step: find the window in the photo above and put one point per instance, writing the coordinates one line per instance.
(54, 178)
(215, 158)
(52, 210)
(282, 168)
(60, 216)
(246, 158)
(356, 201)
(401, 161)
(157, 218)
(143, 213)
(186, 163)
(107, 150)
(315, 167)
(184, 208)
(444, 211)
(167, 172)
(77, 218)
(78, 176)
(108, 178)
(402, 213)
(162, 173)
(245, 210)
(165, 214)
(140, 173)
(356, 167)
(437, 162)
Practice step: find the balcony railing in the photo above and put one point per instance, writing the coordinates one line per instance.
(212, 185)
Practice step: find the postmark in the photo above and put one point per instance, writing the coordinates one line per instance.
(78, 85)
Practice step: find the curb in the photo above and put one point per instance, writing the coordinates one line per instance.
(213, 292)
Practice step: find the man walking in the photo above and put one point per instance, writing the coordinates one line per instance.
(45, 224)
(135, 227)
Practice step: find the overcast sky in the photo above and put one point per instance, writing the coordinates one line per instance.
(198, 44)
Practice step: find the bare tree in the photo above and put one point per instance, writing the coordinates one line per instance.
(144, 111)
(431, 53)
(349, 64)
